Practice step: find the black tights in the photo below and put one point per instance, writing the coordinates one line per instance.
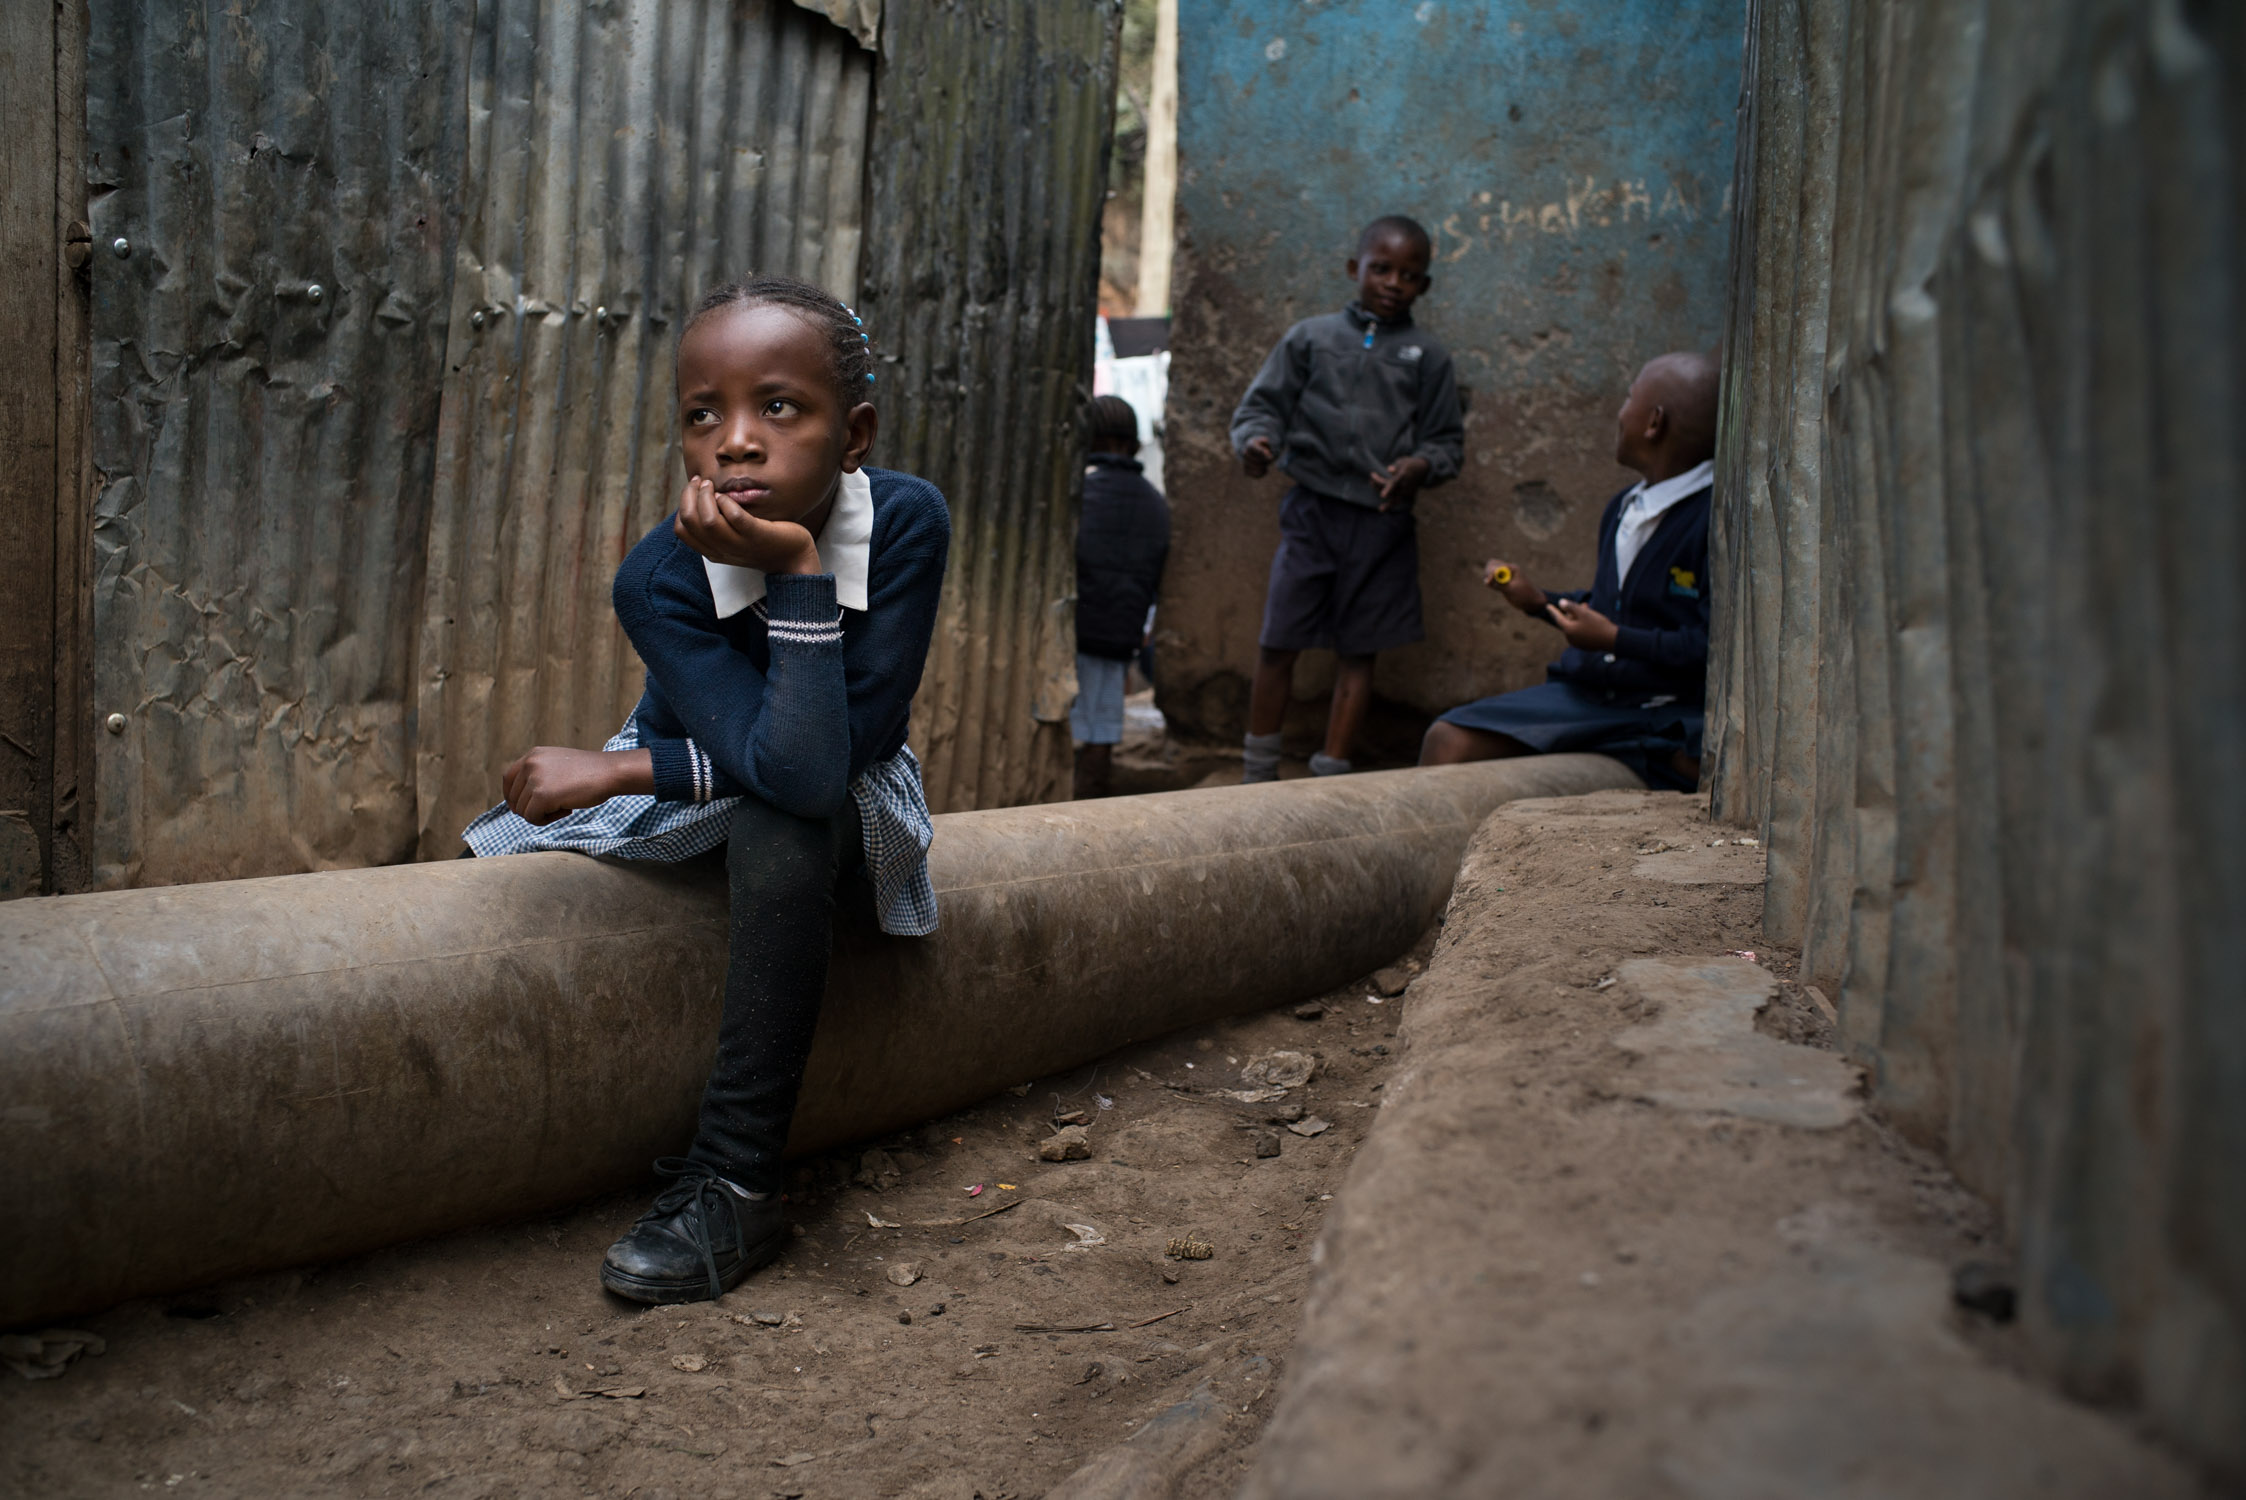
(784, 873)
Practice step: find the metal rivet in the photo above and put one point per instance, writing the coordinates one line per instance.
(600, 314)
(476, 318)
(122, 246)
(115, 723)
(314, 292)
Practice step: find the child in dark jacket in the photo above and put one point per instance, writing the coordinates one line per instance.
(1360, 408)
(784, 615)
(1632, 682)
(1121, 544)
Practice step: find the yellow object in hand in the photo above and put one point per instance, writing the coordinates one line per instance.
(1500, 576)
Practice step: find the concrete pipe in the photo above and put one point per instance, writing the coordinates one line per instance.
(201, 1081)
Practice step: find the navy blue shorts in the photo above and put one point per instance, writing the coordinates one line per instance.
(1559, 716)
(1345, 578)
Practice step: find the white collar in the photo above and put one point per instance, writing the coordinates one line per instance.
(845, 550)
(1653, 499)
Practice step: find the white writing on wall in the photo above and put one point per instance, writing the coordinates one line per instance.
(1583, 203)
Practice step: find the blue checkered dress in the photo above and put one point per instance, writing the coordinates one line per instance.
(892, 809)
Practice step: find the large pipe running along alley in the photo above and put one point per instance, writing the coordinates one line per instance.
(207, 1080)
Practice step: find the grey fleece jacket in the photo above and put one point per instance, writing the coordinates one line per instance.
(1337, 405)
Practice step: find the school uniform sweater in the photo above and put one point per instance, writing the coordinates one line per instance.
(1660, 610)
(791, 699)
(1345, 394)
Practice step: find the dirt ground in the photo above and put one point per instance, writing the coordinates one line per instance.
(491, 1364)
(1150, 759)
(1556, 1268)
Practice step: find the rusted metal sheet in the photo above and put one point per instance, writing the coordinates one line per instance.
(861, 18)
(621, 161)
(1981, 666)
(382, 381)
(989, 167)
(272, 195)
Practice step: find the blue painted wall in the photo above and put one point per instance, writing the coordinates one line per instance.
(1573, 159)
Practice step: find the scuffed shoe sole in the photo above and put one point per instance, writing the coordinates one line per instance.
(665, 1293)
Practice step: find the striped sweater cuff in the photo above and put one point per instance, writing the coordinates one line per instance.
(800, 610)
(683, 772)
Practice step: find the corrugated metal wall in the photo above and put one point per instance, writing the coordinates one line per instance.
(381, 389)
(980, 286)
(1981, 666)
(621, 161)
(266, 360)
(988, 173)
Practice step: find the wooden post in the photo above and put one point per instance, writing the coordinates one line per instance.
(31, 276)
(1158, 210)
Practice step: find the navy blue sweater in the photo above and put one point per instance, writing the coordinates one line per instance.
(1661, 617)
(1121, 544)
(791, 698)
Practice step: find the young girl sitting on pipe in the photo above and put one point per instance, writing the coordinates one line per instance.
(784, 615)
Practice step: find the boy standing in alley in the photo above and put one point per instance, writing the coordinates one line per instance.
(1360, 409)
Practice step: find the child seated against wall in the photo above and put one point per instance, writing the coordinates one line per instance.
(1122, 542)
(1360, 409)
(1633, 679)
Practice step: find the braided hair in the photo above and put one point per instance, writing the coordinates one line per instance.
(847, 344)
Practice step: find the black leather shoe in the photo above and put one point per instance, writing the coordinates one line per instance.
(697, 1242)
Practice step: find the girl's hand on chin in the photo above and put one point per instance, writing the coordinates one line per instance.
(721, 530)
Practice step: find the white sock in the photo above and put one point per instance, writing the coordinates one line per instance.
(1259, 757)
